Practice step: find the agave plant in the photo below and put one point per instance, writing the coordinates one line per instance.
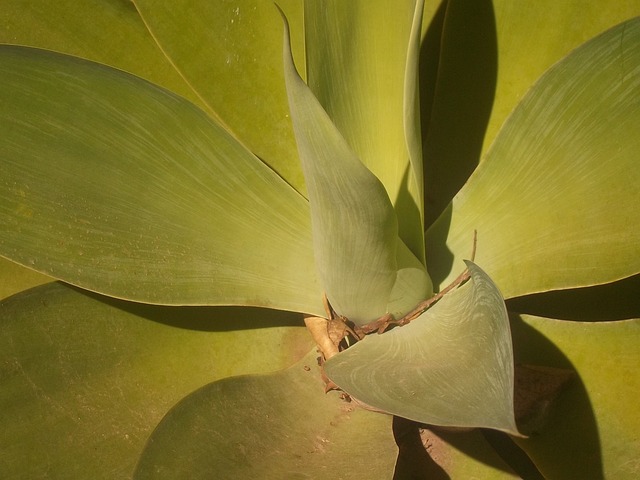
(199, 182)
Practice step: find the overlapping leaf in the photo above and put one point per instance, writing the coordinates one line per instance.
(452, 366)
(362, 60)
(109, 32)
(592, 431)
(271, 426)
(553, 201)
(355, 229)
(230, 54)
(86, 379)
(117, 186)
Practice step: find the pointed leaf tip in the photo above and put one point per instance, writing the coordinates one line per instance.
(453, 366)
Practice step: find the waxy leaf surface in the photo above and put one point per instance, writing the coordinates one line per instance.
(85, 379)
(230, 54)
(355, 229)
(592, 429)
(452, 366)
(554, 199)
(272, 426)
(117, 186)
(109, 32)
(362, 60)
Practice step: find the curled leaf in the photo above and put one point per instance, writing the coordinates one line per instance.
(452, 366)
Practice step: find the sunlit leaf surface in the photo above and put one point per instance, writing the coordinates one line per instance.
(592, 431)
(105, 31)
(85, 379)
(273, 426)
(230, 53)
(355, 229)
(453, 366)
(119, 187)
(14, 278)
(361, 59)
(554, 199)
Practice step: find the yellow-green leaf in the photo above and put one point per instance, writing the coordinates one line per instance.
(85, 379)
(280, 425)
(115, 185)
(554, 201)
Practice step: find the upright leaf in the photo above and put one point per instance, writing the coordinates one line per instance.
(117, 186)
(362, 61)
(355, 231)
(555, 198)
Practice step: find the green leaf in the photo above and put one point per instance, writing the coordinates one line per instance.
(355, 230)
(528, 44)
(231, 54)
(117, 186)
(85, 379)
(109, 32)
(362, 61)
(280, 425)
(592, 429)
(452, 366)
(554, 200)
(15, 278)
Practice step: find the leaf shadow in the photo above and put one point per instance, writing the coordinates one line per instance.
(204, 318)
(569, 440)
(581, 437)
(458, 72)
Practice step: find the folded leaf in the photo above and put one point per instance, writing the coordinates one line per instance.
(115, 185)
(362, 60)
(452, 366)
(355, 230)
(554, 202)
(279, 425)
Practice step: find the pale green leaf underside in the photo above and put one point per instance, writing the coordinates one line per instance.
(361, 60)
(273, 426)
(115, 185)
(355, 230)
(85, 379)
(453, 366)
(230, 54)
(592, 431)
(555, 202)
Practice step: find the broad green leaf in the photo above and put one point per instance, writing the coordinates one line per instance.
(452, 366)
(85, 379)
(592, 431)
(533, 36)
(554, 201)
(355, 229)
(105, 31)
(231, 54)
(362, 59)
(117, 186)
(273, 426)
(473, 96)
(15, 278)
